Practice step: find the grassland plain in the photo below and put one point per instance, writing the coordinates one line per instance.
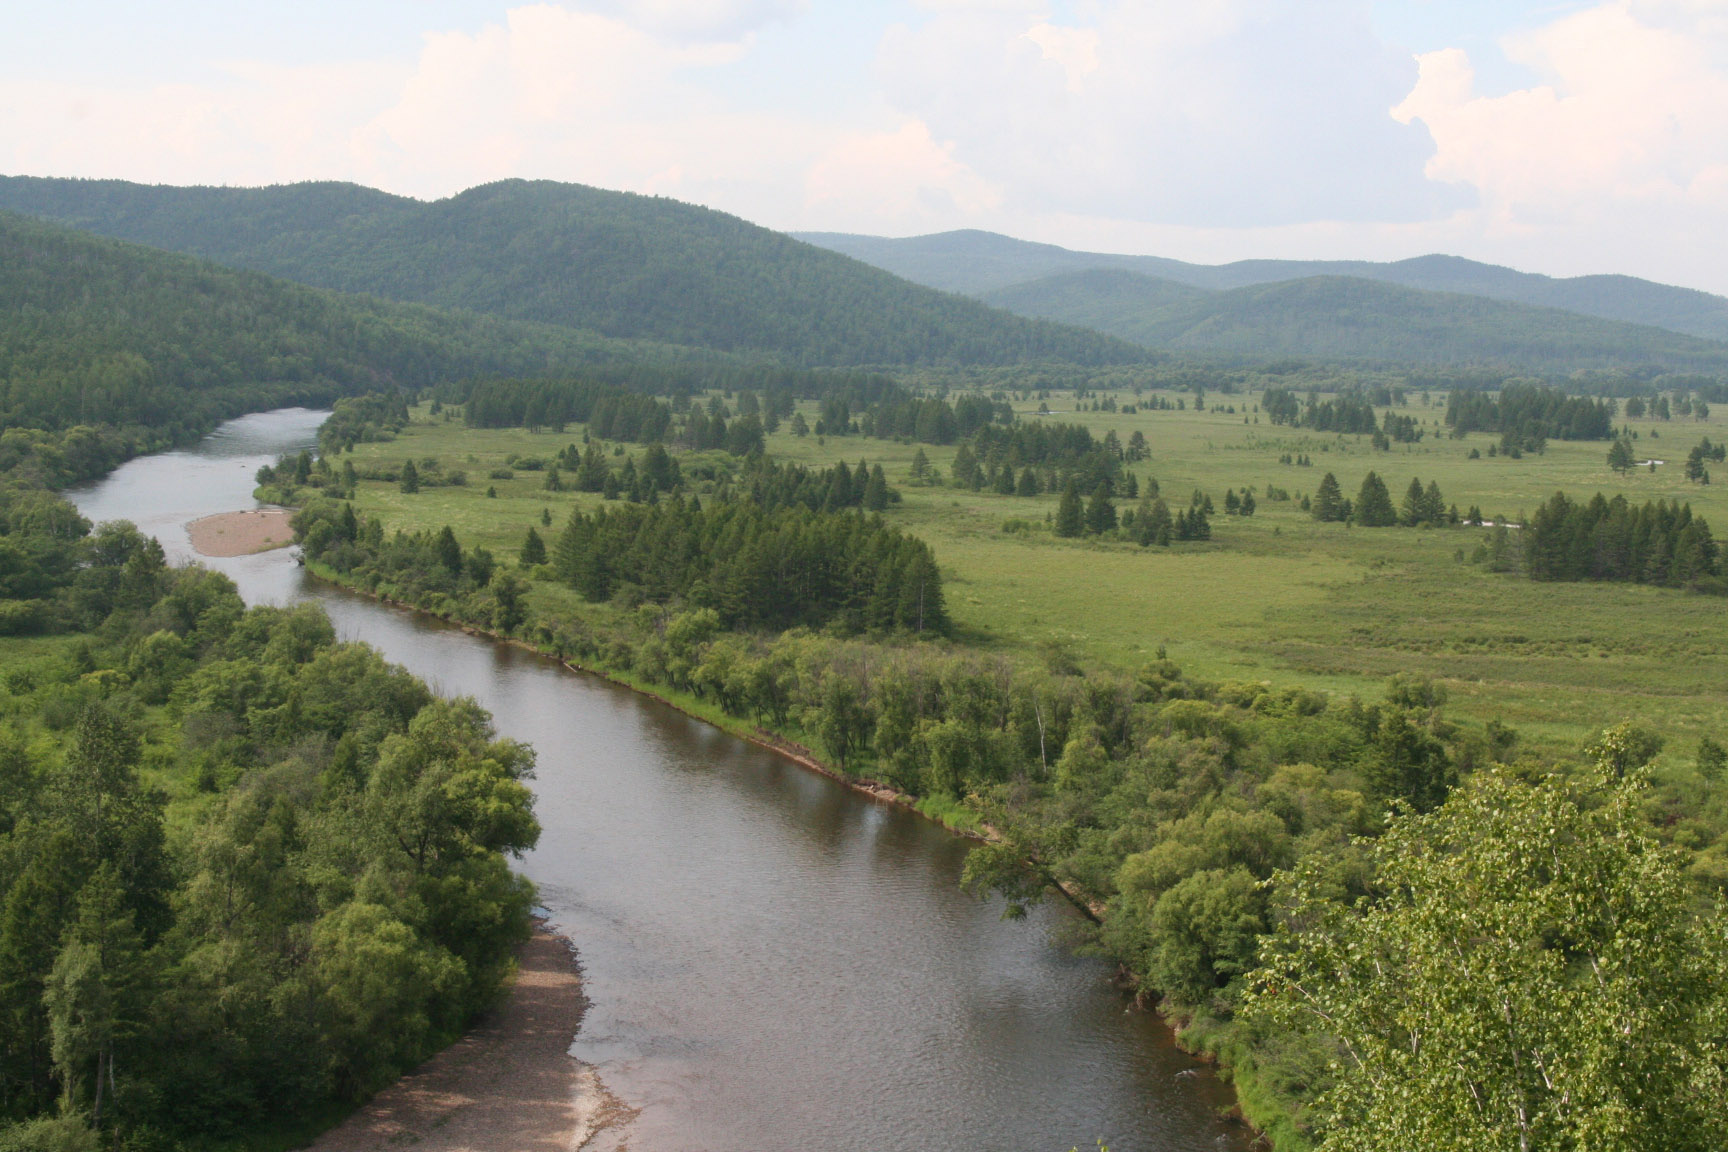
(1276, 597)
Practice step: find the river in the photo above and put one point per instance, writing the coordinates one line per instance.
(774, 961)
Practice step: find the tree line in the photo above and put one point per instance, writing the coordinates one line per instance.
(1373, 506)
(1527, 416)
(611, 412)
(321, 901)
(1660, 542)
(776, 547)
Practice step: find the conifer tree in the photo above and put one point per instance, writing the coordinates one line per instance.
(410, 479)
(1374, 504)
(533, 549)
(1434, 505)
(1100, 511)
(1328, 505)
(876, 491)
(920, 467)
(1411, 514)
(447, 550)
(1070, 517)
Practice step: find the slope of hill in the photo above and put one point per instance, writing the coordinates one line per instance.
(628, 266)
(97, 331)
(979, 263)
(1348, 318)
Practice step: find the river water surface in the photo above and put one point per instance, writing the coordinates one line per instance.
(775, 962)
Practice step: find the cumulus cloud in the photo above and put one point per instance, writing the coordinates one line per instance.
(896, 181)
(1624, 140)
(1221, 112)
(549, 92)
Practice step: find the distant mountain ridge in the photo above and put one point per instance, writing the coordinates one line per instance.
(979, 263)
(619, 264)
(1348, 318)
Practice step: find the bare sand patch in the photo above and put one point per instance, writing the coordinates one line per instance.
(241, 533)
(510, 1085)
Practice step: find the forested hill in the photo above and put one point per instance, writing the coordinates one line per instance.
(981, 262)
(96, 331)
(1350, 319)
(621, 264)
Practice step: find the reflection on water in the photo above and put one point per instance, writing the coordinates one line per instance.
(774, 961)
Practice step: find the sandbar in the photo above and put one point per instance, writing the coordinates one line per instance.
(509, 1085)
(241, 533)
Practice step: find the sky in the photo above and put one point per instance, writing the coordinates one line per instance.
(1553, 136)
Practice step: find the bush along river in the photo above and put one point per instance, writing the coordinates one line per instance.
(773, 961)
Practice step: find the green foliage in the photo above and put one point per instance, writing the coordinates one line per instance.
(1526, 971)
(1660, 543)
(1351, 319)
(164, 346)
(1070, 518)
(1053, 453)
(757, 565)
(1527, 416)
(1373, 506)
(1620, 457)
(624, 265)
(286, 886)
(1329, 504)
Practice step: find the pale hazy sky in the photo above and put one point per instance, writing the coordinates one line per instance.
(1556, 137)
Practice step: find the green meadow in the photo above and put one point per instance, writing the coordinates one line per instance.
(1275, 597)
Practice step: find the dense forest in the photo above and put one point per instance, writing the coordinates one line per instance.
(245, 869)
(610, 412)
(625, 265)
(1027, 459)
(1347, 319)
(641, 405)
(776, 547)
(1527, 416)
(1660, 543)
(979, 263)
(146, 348)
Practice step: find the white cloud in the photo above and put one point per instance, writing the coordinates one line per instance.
(1622, 147)
(1220, 112)
(549, 93)
(701, 19)
(1075, 49)
(897, 181)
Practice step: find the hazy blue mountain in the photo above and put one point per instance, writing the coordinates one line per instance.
(979, 263)
(1350, 318)
(628, 266)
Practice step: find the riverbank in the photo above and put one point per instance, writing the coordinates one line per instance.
(509, 1085)
(242, 533)
(1256, 1105)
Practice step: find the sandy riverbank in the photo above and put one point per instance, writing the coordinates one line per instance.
(241, 533)
(509, 1085)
